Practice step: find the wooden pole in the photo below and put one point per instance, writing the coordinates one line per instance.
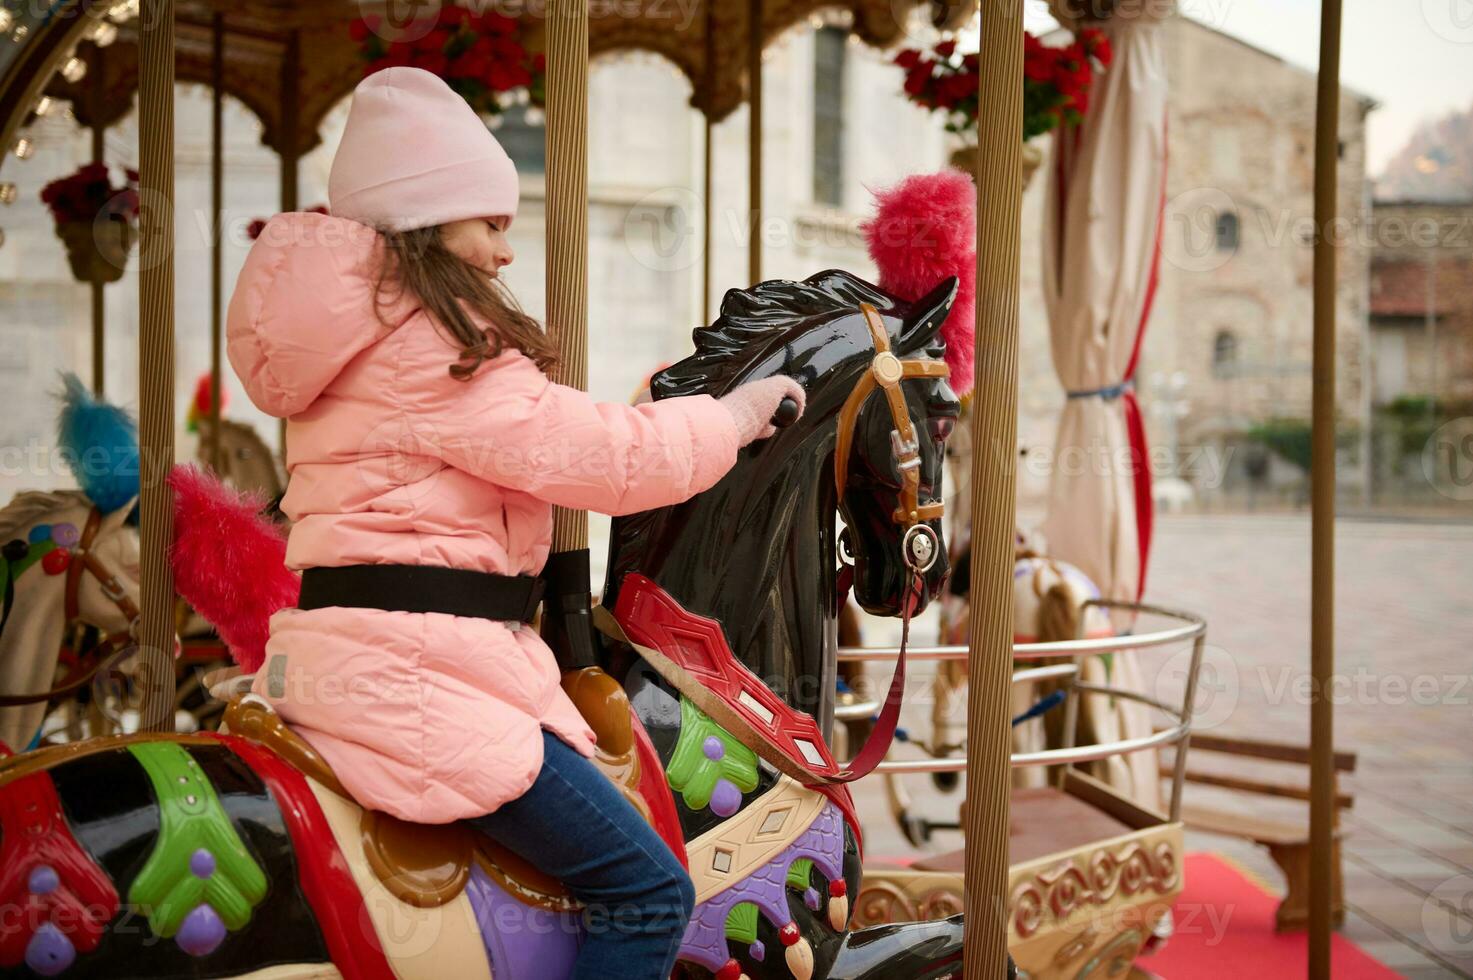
(1322, 504)
(567, 217)
(995, 414)
(707, 163)
(156, 361)
(754, 140)
(291, 71)
(217, 208)
(99, 307)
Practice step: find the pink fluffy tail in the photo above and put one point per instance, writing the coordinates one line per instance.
(229, 562)
(924, 230)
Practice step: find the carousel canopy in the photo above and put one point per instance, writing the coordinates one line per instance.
(87, 53)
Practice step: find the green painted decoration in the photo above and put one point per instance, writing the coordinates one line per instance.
(741, 923)
(693, 773)
(198, 857)
(798, 873)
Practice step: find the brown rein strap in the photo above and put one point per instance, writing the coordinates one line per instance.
(886, 372)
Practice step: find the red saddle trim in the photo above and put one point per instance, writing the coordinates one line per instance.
(80, 899)
(322, 870)
(697, 644)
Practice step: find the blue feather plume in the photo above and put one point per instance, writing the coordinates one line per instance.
(100, 444)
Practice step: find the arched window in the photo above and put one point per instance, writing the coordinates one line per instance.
(1224, 354)
(829, 46)
(1227, 232)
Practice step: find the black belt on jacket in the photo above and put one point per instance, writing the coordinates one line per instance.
(423, 589)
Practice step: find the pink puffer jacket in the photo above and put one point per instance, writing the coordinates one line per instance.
(430, 717)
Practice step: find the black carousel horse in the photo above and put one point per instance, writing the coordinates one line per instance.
(227, 855)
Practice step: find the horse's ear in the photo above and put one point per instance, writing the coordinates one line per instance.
(926, 316)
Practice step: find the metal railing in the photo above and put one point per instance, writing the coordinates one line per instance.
(1191, 628)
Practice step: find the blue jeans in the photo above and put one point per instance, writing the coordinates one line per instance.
(574, 824)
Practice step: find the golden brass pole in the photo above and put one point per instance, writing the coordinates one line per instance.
(567, 216)
(995, 413)
(156, 361)
(1322, 503)
(99, 307)
(754, 140)
(291, 72)
(217, 207)
(708, 206)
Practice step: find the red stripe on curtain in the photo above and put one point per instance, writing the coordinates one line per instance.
(1145, 507)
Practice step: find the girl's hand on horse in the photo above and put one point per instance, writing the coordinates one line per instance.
(753, 405)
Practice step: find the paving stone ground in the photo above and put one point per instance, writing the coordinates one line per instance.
(1404, 705)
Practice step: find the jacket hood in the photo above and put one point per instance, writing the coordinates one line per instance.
(303, 308)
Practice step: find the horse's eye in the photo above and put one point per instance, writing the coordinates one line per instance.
(940, 427)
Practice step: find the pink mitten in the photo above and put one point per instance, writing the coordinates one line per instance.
(752, 405)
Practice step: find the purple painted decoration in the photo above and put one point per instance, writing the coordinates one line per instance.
(713, 748)
(42, 880)
(49, 952)
(522, 942)
(822, 843)
(726, 799)
(202, 863)
(201, 932)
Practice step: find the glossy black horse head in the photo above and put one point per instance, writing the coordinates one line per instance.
(816, 332)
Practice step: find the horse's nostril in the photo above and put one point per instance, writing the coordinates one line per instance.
(941, 427)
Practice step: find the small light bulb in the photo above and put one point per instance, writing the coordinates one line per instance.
(534, 116)
(24, 147)
(6, 19)
(104, 34)
(74, 70)
(20, 34)
(44, 105)
(7, 193)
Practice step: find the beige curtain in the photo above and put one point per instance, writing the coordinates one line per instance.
(1106, 182)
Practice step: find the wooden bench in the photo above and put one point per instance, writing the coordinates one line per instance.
(1287, 841)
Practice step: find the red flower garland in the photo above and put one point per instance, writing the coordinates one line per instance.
(1056, 81)
(88, 194)
(480, 56)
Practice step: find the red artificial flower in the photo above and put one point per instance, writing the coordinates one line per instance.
(254, 229)
(539, 62)
(908, 58)
(946, 48)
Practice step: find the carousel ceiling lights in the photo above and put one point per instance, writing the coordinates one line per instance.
(24, 147)
(44, 105)
(7, 193)
(104, 33)
(74, 70)
(124, 11)
(20, 34)
(6, 20)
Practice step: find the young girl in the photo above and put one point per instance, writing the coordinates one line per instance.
(426, 449)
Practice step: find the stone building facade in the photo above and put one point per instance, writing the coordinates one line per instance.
(1230, 338)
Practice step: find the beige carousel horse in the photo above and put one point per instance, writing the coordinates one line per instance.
(77, 566)
(246, 462)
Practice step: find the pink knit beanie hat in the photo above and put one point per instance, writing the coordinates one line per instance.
(414, 154)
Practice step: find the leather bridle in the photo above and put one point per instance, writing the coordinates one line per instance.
(84, 559)
(886, 372)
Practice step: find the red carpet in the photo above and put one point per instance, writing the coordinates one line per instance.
(1225, 928)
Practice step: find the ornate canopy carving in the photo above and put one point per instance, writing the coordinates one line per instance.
(257, 34)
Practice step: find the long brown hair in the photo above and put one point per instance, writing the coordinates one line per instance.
(460, 299)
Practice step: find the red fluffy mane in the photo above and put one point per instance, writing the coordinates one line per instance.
(229, 562)
(925, 229)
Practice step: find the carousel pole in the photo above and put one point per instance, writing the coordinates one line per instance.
(291, 71)
(754, 140)
(995, 410)
(707, 162)
(1322, 501)
(217, 207)
(99, 307)
(155, 635)
(567, 217)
